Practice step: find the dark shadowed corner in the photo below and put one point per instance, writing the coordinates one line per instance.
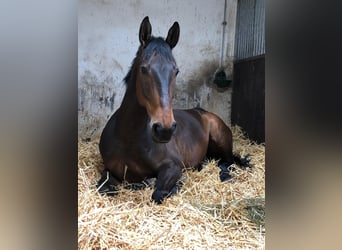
(303, 126)
(39, 125)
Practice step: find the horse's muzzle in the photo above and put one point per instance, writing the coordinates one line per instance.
(162, 134)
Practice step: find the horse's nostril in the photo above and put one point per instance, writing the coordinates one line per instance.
(157, 127)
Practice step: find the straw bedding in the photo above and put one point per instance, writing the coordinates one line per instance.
(205, 214)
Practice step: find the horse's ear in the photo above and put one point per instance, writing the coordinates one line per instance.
(145, 31)
(173, 35)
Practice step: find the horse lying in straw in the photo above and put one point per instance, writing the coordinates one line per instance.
(147, 138)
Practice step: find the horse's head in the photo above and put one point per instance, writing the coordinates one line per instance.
(156, 78)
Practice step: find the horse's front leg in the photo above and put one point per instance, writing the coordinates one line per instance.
(169, 173)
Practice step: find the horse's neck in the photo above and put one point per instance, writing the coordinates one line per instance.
(131, 113)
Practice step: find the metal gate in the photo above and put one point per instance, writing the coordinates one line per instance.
(248, 98)
(250, 29)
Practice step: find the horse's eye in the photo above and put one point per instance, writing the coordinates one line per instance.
(177, 71)
(144, 70)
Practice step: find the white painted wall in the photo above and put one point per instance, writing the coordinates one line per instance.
(108, 40)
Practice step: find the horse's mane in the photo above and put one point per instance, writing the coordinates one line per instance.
(156, 45)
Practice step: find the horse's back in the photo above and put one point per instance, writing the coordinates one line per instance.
(202, 134)
(201, 119)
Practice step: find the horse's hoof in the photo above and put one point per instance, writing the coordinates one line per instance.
(176, 188)
(158, 196)
(245, 162)
(104, 187)
(225, 171)
(225, 176)
(199, 167)
(108, 192)
(227, 168)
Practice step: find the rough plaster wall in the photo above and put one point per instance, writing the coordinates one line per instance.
(108, 41)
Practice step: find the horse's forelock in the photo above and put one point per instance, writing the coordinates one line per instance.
(156, 45)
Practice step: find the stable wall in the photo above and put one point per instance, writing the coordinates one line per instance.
(108, 41)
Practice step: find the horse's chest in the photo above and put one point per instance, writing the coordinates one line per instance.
(138, 157)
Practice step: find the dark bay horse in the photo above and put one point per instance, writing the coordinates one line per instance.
(146, 138)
